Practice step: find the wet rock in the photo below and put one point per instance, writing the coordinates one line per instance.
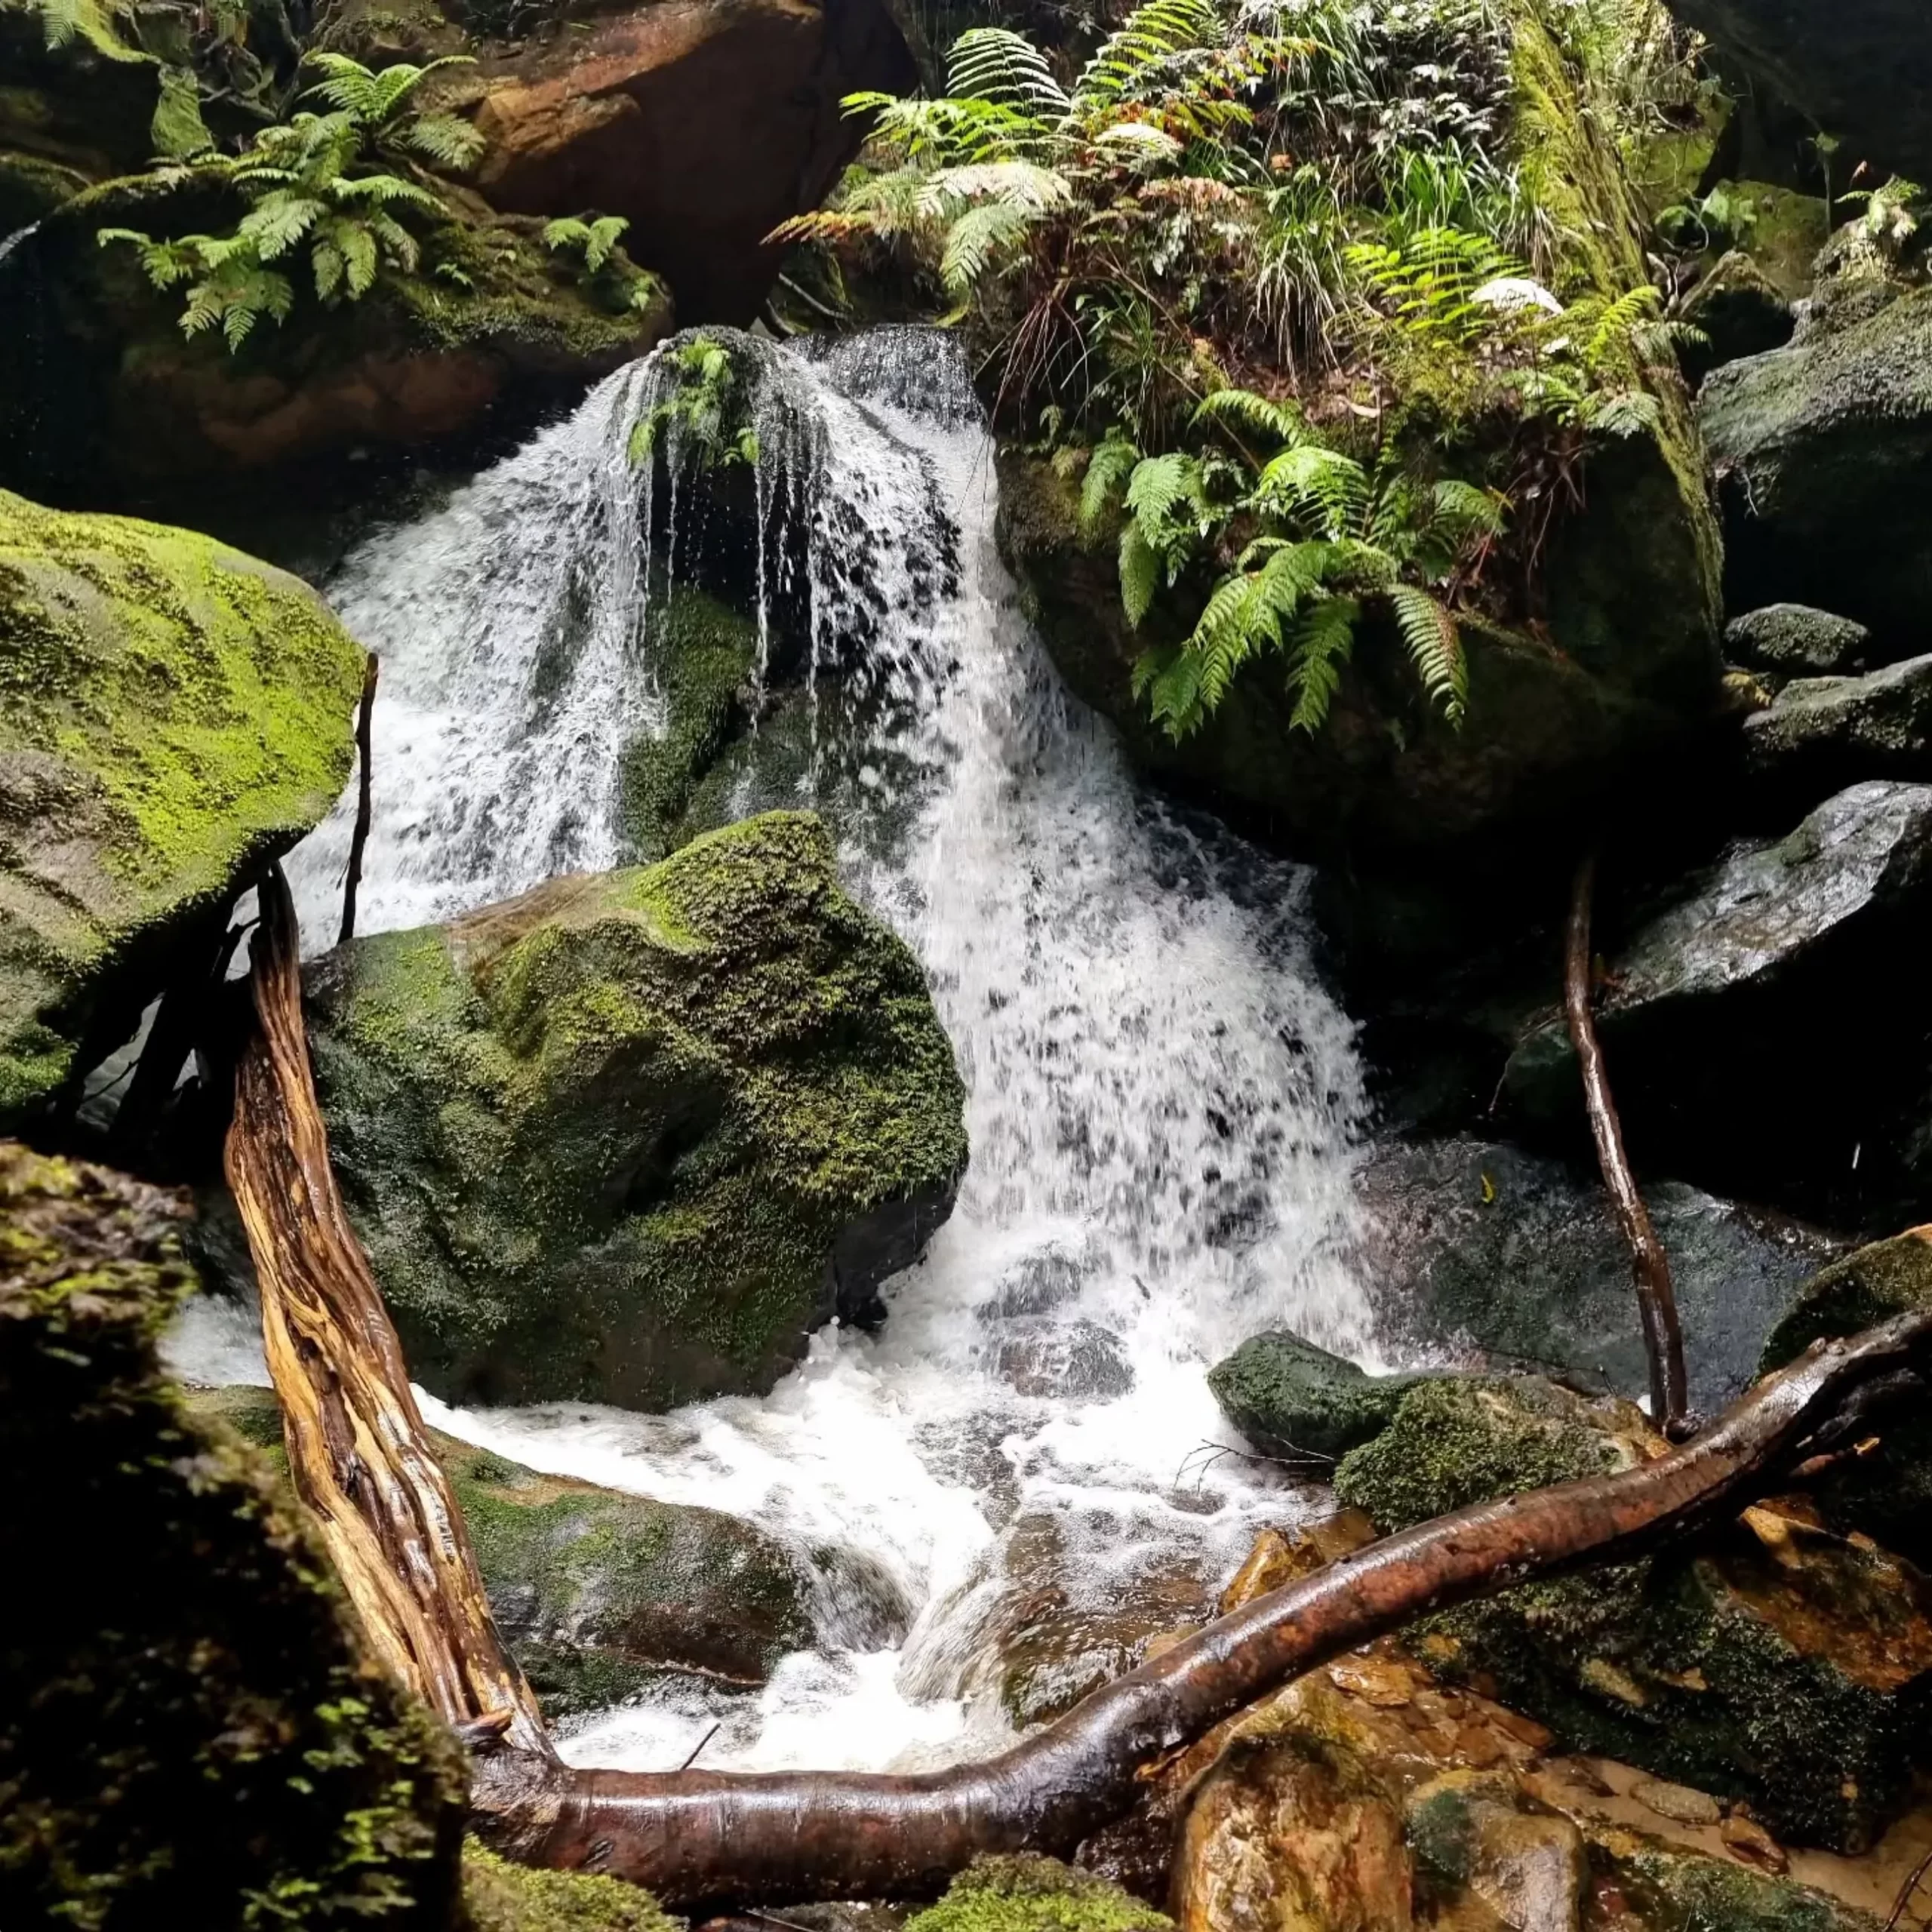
(1824, 449)
(1083, 1361)
(188, 1719)
(1780, 1665)
(1887, 1494)
(173, 715)
(1028, 1893)
(704, 126)
(1679, 1802)
(633, 1137)
(1767, 1030)
(1797, 642)
(1821, 734)
(1471, 1838)
(1679, 1891)
(1478, 1243)
(598, 1594)
(1291, 1399)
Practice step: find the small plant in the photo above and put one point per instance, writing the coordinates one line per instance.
(590, 241)
(1327, 539)
(703, 415)
(310, 191)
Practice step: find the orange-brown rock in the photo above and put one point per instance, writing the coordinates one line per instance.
(704, 123)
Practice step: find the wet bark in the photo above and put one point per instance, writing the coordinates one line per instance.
(362, 1462)
(364, 799)
(1649, 1266)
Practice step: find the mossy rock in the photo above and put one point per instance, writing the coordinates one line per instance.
(85, 103)
(190, 1733)
(598, 1594)
(1674, 1890)
(1288, 1398)
(173, 715)
(1027, 1894)
(1780, 1665)
(1887, 1495)
(498, 1896)
(633, 1137)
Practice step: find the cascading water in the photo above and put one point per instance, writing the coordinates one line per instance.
(1163, 1104)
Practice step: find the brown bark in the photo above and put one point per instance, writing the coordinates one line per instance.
(364, 799)
(357, 1448)
(1657, 1297)
(362, 1464)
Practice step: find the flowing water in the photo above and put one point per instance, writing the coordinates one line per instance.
(1164, 1100)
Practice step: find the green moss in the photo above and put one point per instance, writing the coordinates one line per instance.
(205, 1745)
(498, 1896)
(707, 654)
(32, 186)
(172, 714)
(1031, 1894)
(1674, 1891)
(1287, 1397)
(624, 1137)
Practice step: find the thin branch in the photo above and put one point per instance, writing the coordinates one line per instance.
(1656, 1299)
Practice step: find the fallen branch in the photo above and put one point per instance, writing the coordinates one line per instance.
(1656, 1297)
(362, 1463)
(365, 798)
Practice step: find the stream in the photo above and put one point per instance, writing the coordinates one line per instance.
(1165, 1103)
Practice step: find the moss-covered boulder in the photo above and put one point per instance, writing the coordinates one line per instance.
(1819, 735)
(173, 715)
(116, 406)
(1027, 1894)
(1780, 1665)
(1289, 1398)
(498, 1896)
(1887, 1494)
(598, 1594)
(1794, 640)
(634, 1136)
(190, 1733)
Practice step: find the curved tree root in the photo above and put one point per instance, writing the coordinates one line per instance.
(362, 1463)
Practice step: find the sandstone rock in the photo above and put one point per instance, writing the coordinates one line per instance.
(1780, 1665)
(1797, 642)
(1821, 734)
(173, 715)
(598, 1594)
(705, 124)
(1477, 1242)
(634, 1136)
(1824, 449)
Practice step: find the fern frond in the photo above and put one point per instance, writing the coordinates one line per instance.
(1623, 413)
(1139, 572)
(1318, 486)
(1320, 643)
(346, 85)
(1465, 510)
(1154, 34)
(975, 241)
(1435, 647)
(279, 221)
(1242, 409)
(1023, 185)
(1159, 484)
(995, 64)
(1108, 470)
(383, 191)
(606, 232)
(447, 140)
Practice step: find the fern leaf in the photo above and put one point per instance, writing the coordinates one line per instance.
(447, 140)
(1435, 647)
(1242, 409)
(1320, 643)
(1318, 486)
(1130, 58)
(1159, 484)
(995, 64)
(346, 85)
(974, 241)
(1108, 470)
(1139, 572)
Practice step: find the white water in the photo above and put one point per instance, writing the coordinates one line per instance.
(1163, 1098)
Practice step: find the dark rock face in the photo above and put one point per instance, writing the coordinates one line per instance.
(1797, 642)
(1779, 1664)
(1824, 450)
(1741, 310)
(1862, 71)
(632, 1137)
(705, 125)
(1768, 1032)
(1821, 734)
(1477, 1242)
(189, 1723)
(1290, 1399)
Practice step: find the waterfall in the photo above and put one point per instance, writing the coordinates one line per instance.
(1164, 1100)
(9, 243)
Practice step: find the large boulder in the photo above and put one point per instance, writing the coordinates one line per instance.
(704, 123)
(190, 1723)
(118, 407)
(1792, 640)
(598, 1595)
(1820, 734)
(1290, 1399)
(1766, 1032)
(1860, 71)
(1479, 1243)
(633, 1137)
(1824, 450)
(173, 715)
(1776, 1664)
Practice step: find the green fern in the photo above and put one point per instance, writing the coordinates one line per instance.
(703, 418)
(1108, 470)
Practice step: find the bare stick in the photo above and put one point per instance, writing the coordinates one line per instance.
(1656, 1299)
(358, 1450)
(364, 800)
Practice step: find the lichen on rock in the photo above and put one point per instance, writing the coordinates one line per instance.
(633, 1137)
(173, 714)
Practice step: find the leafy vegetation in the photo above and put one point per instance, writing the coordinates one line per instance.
(322, 186)
(703, 415)
(1273, 276)
(591, 242)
